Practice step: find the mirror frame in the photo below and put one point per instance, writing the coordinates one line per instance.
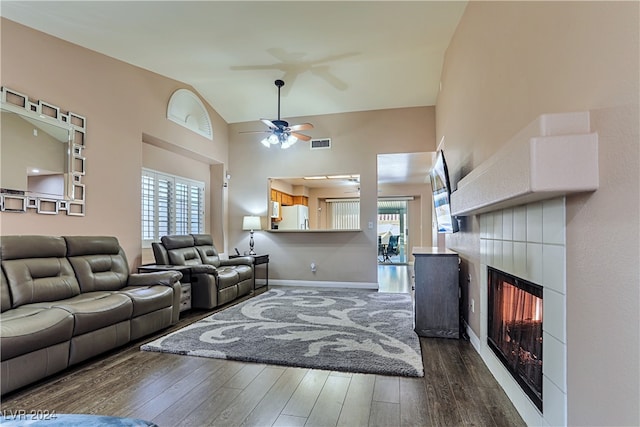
(73, 202)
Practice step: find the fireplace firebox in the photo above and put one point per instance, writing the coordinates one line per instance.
(515, 329)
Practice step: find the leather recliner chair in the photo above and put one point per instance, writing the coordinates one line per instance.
(214, 281)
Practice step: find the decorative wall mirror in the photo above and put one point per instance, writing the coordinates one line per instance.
(315, 203)
(42, 159)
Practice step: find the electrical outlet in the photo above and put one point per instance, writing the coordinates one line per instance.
(469, 278)
(473, 305)
(314, 267)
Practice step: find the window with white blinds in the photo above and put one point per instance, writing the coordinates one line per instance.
(344, 214)
(170, 205)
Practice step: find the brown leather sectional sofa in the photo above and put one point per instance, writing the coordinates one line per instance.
(214, 281)
(67, 299)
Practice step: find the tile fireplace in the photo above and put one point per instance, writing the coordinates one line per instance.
(528, 243)
(519, 195)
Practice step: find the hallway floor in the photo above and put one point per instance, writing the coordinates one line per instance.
(395, 278)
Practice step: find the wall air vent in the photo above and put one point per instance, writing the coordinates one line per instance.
(320, 144)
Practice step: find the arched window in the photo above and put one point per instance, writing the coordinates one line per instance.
(186, 109)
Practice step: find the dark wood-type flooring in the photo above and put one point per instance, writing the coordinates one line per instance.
(174, 390)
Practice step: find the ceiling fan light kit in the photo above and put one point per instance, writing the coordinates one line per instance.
(280, 131)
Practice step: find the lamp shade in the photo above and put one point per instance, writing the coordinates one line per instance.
(251, 223)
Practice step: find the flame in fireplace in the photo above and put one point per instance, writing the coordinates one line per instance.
(515, 329)
(520, 305)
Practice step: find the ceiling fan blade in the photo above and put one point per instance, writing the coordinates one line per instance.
(301, 136)
(301, 126)
(269, 123)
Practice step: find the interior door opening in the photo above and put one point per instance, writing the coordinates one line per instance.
(393, 232)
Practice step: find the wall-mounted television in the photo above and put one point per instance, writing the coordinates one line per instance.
(441, 188)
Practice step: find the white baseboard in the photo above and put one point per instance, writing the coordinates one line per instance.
(323, 284)
(473, 338)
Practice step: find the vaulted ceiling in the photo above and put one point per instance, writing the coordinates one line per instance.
(334, 56)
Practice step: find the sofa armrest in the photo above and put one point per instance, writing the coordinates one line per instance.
(166, 278)
(242, 260)
(203, 268)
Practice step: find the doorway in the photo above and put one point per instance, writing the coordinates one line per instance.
(393, 231)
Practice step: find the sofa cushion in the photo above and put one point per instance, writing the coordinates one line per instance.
(184, 256)
(26, 329)
(245, 272)
(92, 245)
(202, 239)
(99, 262)
(33, 280)
(227, 276)
(177, 241)
(100, 272)
(149, 298)
(18, 247)
(209, 255)
(206, 249)
(95, 310)
(36, 269)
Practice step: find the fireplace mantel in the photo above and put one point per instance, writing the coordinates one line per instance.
(555, 155)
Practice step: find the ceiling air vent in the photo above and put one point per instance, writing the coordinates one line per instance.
(320, 144)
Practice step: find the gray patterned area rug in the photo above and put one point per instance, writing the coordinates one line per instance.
(341, 330)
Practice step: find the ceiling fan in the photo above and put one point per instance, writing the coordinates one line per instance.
(280, 131)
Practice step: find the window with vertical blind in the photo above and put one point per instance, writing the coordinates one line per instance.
(344, 214)
(170, 205)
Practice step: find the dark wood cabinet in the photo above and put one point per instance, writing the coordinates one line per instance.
(437, 295)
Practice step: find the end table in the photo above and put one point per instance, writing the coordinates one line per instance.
(185, 282)
(258, 260)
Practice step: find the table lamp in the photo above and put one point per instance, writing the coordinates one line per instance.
(251, 223)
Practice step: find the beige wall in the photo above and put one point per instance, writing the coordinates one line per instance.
(357, 139)
(509, 62)
(121, 104)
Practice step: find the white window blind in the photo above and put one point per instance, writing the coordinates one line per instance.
(182, 208)
(344, 214)
(170, 205)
